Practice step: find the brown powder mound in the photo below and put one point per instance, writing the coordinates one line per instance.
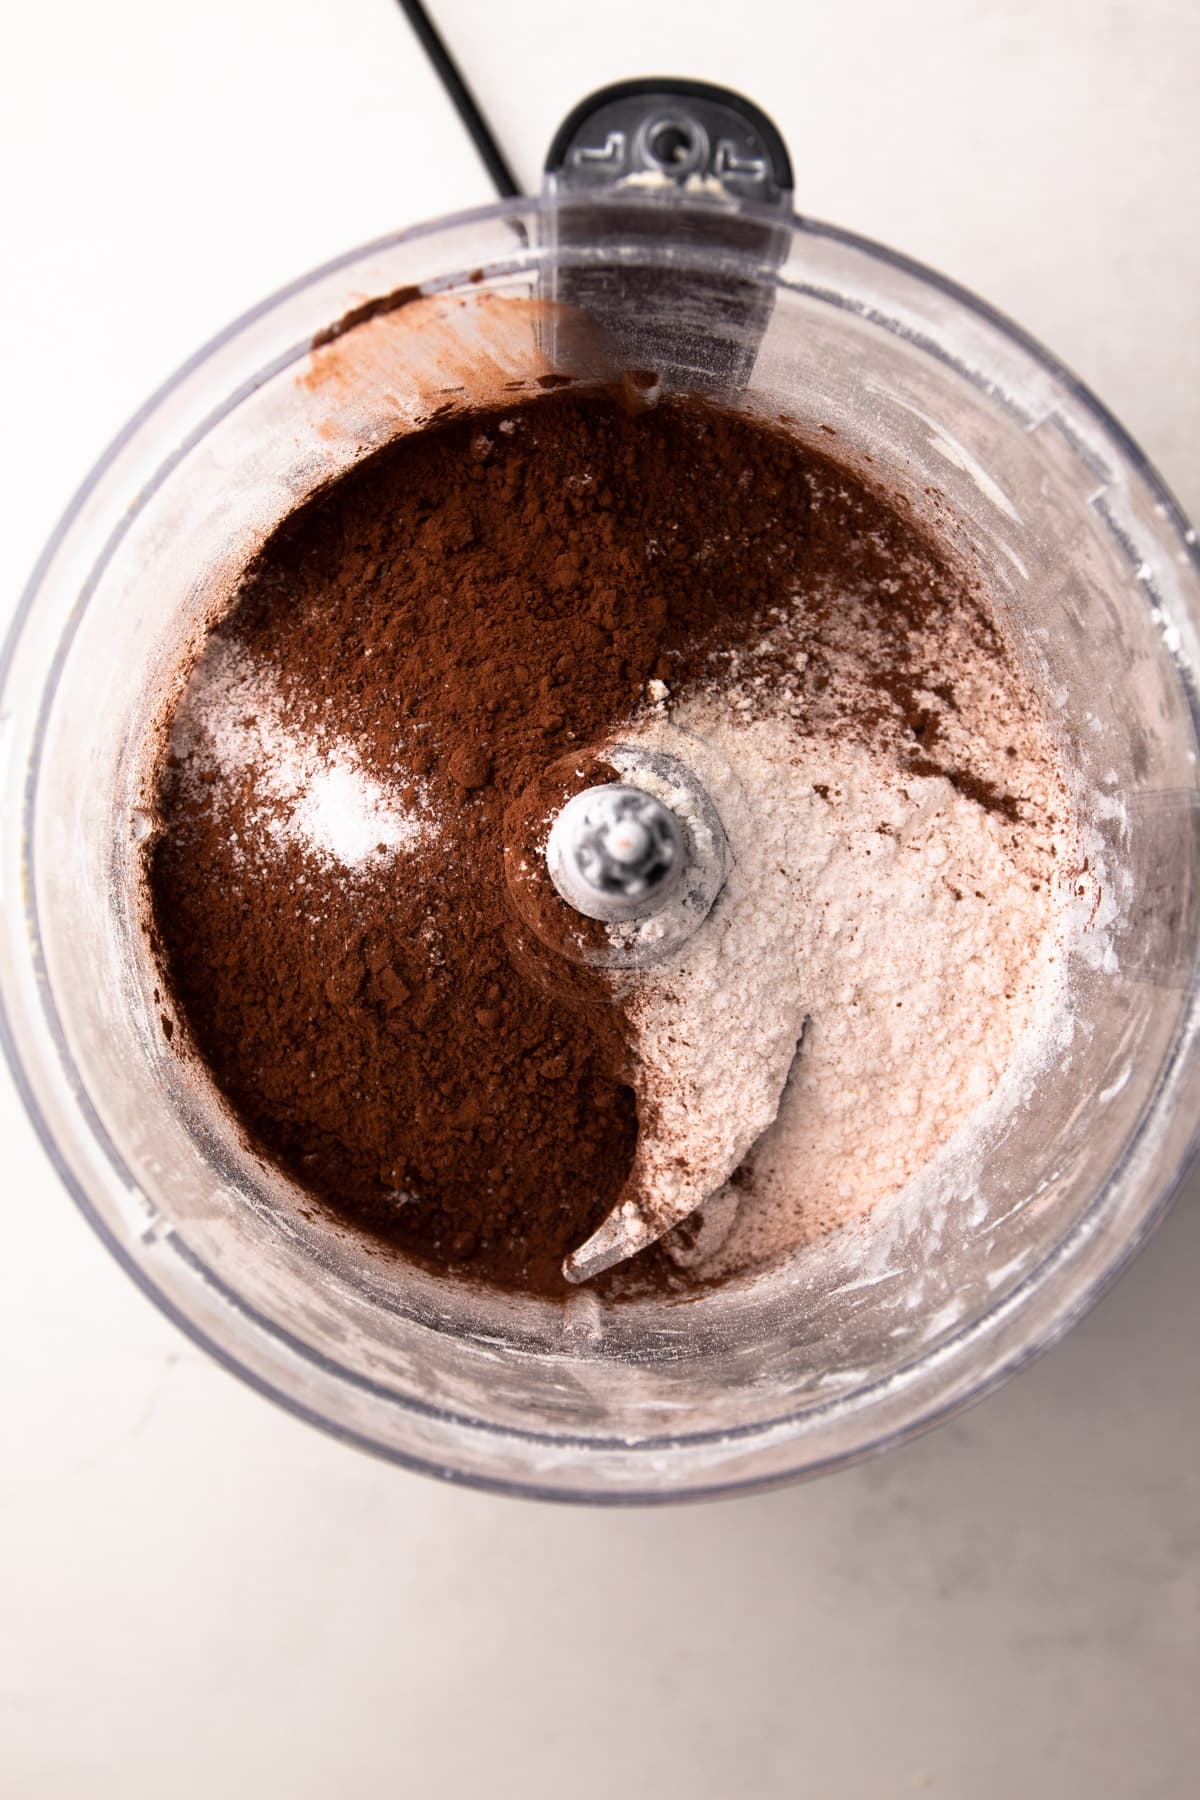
(465, 609)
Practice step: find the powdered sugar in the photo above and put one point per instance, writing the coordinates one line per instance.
(308, 790)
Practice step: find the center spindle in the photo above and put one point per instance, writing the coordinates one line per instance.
(616, 852)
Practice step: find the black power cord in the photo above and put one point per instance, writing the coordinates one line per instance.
(463, 99)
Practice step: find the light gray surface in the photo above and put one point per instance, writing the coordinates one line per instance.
(199, 1595)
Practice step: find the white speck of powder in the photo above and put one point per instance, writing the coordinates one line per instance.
(340, 811)
(306, 788)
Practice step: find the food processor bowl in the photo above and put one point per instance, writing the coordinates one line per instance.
(853, 1344)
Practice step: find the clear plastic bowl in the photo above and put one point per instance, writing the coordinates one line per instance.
(853, 1346)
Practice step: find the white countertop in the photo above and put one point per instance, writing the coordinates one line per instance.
(199, 1595)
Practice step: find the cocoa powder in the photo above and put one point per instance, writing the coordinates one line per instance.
(466, 609)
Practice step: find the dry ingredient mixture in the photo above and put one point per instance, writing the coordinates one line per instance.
(482, 614)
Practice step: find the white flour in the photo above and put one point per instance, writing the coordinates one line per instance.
(311, 791)
(911, 934)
